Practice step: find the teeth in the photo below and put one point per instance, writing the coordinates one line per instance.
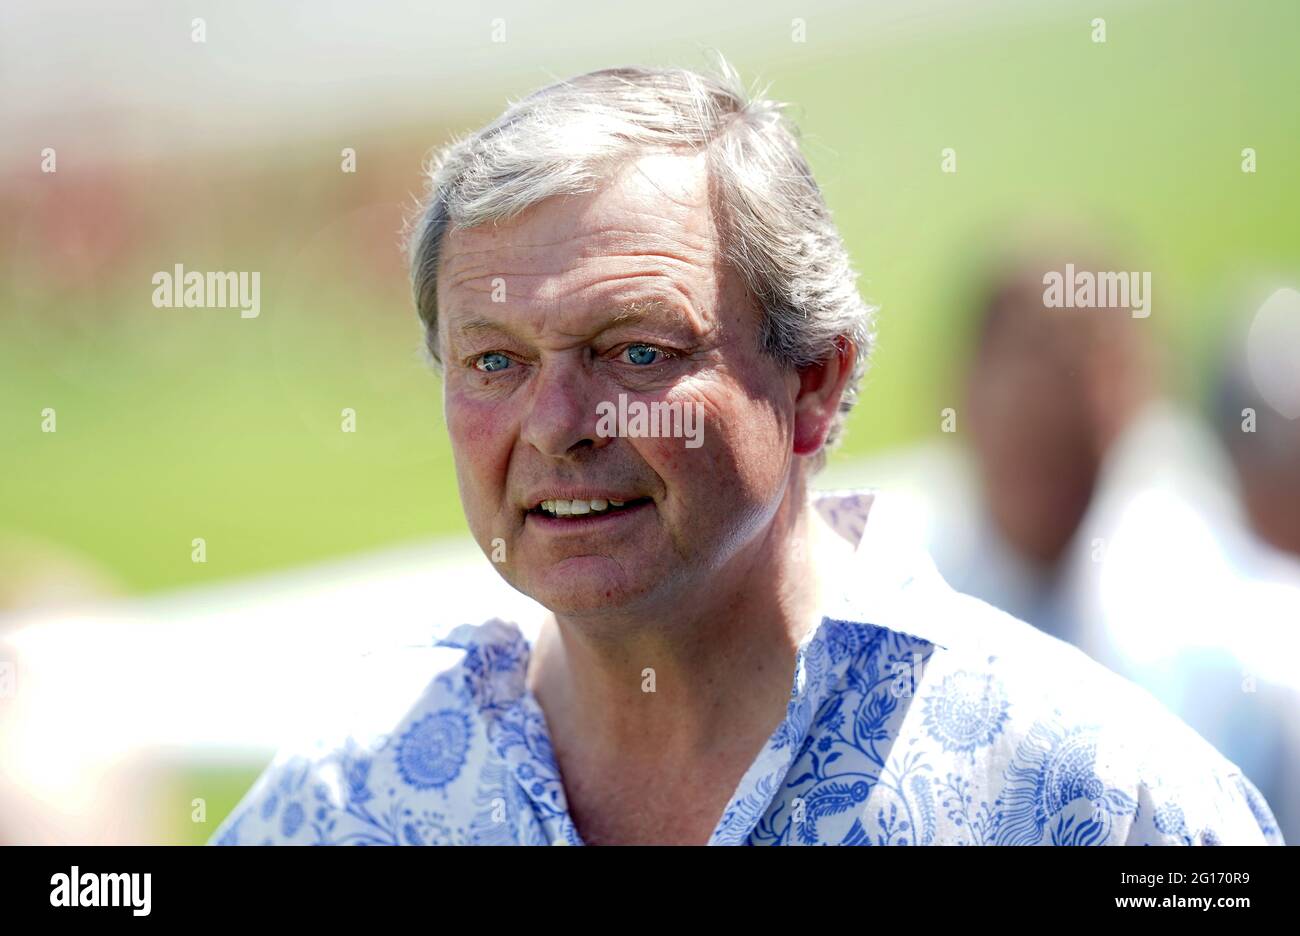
(569, 508)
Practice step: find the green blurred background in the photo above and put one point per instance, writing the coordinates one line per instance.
(180, 423)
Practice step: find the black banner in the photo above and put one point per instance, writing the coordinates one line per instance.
(136, 886)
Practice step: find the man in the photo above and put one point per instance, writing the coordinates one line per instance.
(1258, 420)
(1067, 426)
(726, 658)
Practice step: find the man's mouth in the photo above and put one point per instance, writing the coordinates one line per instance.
(582, 507)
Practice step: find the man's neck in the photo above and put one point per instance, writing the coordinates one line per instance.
(701, 676)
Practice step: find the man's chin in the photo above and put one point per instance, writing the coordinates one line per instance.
(585, 585)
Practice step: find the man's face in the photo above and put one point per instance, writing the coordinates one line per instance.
(526, 373)
(1033, 431)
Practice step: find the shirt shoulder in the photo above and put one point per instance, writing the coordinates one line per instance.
(1059, 749)
(1088, 754)
(404, 759)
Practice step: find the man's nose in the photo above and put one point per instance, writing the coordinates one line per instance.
(562, 417)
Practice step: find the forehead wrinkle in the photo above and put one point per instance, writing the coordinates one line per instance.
(667, 299)
(592, 253)
(545, 298)
(466, 265)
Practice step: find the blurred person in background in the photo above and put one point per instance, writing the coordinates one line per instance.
(1050, 394)
(1256, 413)
(1104, 515)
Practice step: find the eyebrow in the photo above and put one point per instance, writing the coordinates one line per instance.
(629, 313)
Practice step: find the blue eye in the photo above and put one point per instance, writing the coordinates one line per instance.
(492, 361)
(642, 353)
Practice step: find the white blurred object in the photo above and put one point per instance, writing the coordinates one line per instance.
(228, 671)
(1273, 351)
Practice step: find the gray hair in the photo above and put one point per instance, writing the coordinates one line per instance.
(566, 138)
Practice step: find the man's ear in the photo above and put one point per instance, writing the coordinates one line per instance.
(821, 386)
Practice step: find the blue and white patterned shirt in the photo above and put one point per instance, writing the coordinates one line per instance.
(917, 715)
